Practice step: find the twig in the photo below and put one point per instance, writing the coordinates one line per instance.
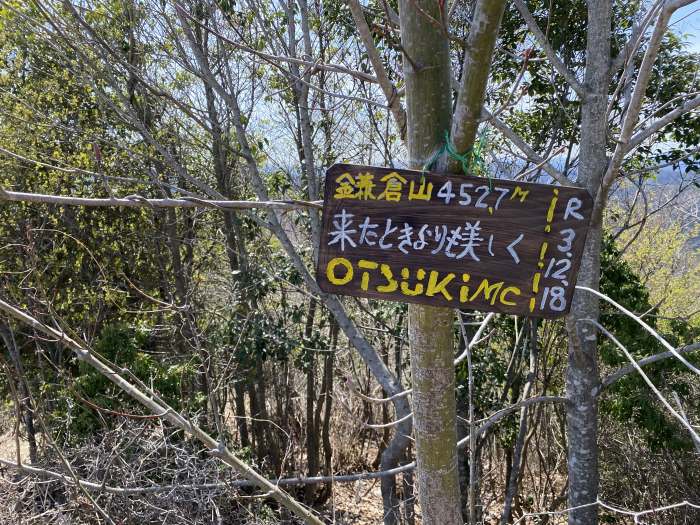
(393, 100)
(168, 413)
(131, 491)
(474, 339)
(523, 146)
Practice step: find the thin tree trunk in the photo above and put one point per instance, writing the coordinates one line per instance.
(402, 436)
(325, 405)
(518, 455)
(582, 376)
(312, 441)
(27, 411)
(409, 507)
(241, 420)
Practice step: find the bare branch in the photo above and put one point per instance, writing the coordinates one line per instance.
(634, 515)
(556, 62)
(474, 339)
(648, 381)
(635, 105)
(657, 125)
(133, 491)
(625, 370)
(385, 83)
(634, 41)
(137, 201)
(527, 149)
(497, 416)
(314, 66)
(391, 423)
(644, 325)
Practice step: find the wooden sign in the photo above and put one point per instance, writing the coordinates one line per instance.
(451, 240)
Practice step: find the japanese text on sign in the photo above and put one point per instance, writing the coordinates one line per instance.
(451, 240)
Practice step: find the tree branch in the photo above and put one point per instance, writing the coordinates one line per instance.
(497, 416)
(625, 370)
(314, 66)
(137, 201)
(556, 62)
(527, 150)
(657, 125)
(644, 325)
(135, 491)
(648, 381)
(478, 57)
(631, 46)
(635, 105)
(385, 83)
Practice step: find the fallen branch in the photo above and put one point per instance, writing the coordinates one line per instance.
(135, 491)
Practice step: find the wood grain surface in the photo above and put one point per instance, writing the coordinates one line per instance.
(451, 240)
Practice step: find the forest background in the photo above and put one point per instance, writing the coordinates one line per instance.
(210, 315)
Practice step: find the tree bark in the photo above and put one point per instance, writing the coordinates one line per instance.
(429, 109)
(475, 72)
(327, 394)
(241, 418)
(582, 376)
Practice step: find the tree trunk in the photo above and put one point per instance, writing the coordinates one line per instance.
(428, 102)
(25, 403)
(241, 419)
(431, 334)
(312, 441)
(325, 405)
(582, 377)
(520, 443)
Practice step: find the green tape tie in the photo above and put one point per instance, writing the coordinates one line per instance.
(469, 160)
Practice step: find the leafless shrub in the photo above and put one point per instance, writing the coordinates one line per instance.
(179, 484)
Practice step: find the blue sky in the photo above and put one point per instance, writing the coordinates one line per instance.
(687, 20)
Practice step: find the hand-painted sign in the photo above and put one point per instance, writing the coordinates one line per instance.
(451, 240)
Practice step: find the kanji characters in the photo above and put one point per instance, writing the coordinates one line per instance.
(461, 241)
(362, 187)
(365, 184)
(423, 193)
(466, 237)
(342, 231)
(345, 188)
(393, 188)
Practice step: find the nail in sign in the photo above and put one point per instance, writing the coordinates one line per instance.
(451, 240)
